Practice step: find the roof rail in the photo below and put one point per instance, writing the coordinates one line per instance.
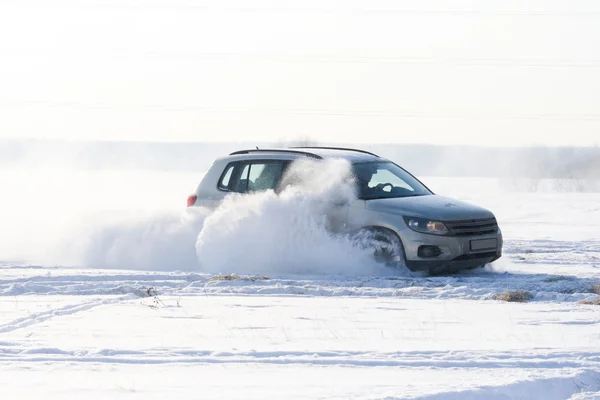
(305, 153)
(335, 148)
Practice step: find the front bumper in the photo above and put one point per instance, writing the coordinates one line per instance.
(456, 251)
(454, 265)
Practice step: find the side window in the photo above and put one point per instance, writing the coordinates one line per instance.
(254, 176)
(235, 177)
(264, 175)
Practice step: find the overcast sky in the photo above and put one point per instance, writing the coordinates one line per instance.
(461, 72)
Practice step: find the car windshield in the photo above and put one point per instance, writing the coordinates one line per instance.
(382, 180)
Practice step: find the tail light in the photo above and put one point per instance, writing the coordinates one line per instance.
(191, 200)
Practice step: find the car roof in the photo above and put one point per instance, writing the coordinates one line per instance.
(352, 155)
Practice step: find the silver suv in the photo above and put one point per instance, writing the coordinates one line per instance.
(406, 222)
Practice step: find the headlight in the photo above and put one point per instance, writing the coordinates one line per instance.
(426, 226)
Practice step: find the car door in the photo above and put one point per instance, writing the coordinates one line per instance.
(265, 175)
(255, 176)
(333, 208)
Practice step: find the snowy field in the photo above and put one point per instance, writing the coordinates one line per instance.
(102, 297)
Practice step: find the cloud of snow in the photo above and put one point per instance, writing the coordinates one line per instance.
(161, 241)
(288, 232)
(99, 218)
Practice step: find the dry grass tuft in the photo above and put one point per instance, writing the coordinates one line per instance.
(515, 296)
(236, 277)
(141, 292)
(230, 277)
(592, 302)
(557, 278)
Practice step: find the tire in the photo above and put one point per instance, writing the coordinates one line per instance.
(386, 245)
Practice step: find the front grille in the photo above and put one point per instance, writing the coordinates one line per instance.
(472, 227)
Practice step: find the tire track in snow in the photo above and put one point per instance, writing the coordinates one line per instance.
(416, 359)
(40, 317)
(482, 285)
(554, 252)
(581, 385)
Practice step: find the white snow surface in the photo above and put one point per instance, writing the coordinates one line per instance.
(111, 305)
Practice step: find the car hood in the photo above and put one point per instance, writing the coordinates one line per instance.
(431, 206)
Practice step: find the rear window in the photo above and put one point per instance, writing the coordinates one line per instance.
(226, 177)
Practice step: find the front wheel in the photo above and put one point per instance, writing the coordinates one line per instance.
(386, 245)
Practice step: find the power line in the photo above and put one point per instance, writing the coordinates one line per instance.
(434, 12)
(305, 111)
(466, 61)
(339, 59)
(330, 10)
